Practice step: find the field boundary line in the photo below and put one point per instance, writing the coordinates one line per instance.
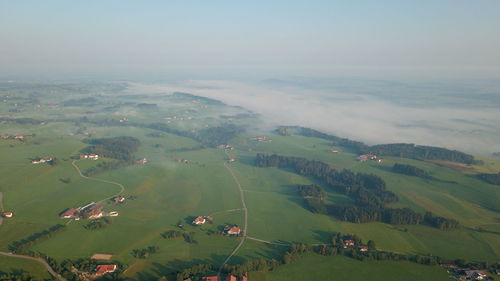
(122, 188)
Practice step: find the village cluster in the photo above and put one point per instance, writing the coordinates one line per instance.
(89, 156)
(90, 211)
(465, 273)
(366, 157)
(99, 270)
(41, 160)
(262, 139)
(13, 137)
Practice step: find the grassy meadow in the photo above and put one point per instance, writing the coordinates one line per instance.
(167, 192)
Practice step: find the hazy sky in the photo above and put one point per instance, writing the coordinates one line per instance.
(431, 37)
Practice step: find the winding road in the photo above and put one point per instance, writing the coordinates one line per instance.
(40, 260)
(122, 188)
(245, 213)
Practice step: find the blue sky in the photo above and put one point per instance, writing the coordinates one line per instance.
(435, 37)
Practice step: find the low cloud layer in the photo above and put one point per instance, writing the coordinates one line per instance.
(359, 116)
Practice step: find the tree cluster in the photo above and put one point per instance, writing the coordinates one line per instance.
(196, 271)
(145, 252)
(490, 178)
(410, 170)
(215, 136)
(120, 148)
(406, 150)
(171, 234)
(189, 237)
(97, 224)
(16, 276)
(440, 222)
(314, 197)
(367, 190)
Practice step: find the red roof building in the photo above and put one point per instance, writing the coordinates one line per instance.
(104, 268)
(231, 278)
(349, 242)
(199, 220)
(363, 248)
(209, 278)
(8, 214)
(69, 213)
(233, 230)
(119, 199)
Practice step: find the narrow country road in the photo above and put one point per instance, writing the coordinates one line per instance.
(245, 213)
(40, 260)
(122, 188)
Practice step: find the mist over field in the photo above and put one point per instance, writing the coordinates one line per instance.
(461, 115)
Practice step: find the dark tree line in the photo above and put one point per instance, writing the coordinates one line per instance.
(410, 170)
(145, 252)
(171, 234)
(120, 148)
(420, 152)
(367, 190)
(21, 245)
(490, 178)
(195, 272)
(439, 222)
(16, 276)
(97, 224)
(406, 150)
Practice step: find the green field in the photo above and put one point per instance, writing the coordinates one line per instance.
(10, 265)
(342, 268)
(167, 191)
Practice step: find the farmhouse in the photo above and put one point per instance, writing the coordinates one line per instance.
(365, 157)
(232, 230)
(119, 199)
(142, 161)
(7, 214)
(262, 139)
(199, 220)
(348, 243)
(69, 213)
(331, 150)
(363, 248)
(43, 160)
(89, 156)
(232, 159)
(102, 269)
(225, 146)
